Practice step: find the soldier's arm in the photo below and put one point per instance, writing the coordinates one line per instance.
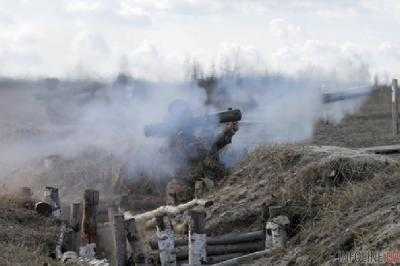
(225, 137)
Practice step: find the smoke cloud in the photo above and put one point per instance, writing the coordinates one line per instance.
(51, 118)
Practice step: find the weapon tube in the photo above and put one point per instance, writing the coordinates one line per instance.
(163, 129)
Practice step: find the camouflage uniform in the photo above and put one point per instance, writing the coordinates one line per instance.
(201, 164)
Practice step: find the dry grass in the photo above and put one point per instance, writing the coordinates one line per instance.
(333, 189)
(25, 237)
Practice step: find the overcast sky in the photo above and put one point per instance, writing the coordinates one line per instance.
(156, 38)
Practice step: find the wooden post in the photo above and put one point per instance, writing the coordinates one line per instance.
(276, 232)
(112, 210)
(395, 108)
(51, 197)
(197, 238)
(75, 220)
(120, 240)
(26, 193)
(26, 197)
(166, 241)
(89, 223)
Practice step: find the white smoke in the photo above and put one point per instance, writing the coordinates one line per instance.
(68, 117)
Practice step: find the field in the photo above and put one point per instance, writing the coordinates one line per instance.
(334, 189)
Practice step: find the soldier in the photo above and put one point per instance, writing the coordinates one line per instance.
(196, 153)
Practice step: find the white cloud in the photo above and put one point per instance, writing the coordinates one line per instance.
(245, 59)
(50, 37)
(284, 30)
(83, 6)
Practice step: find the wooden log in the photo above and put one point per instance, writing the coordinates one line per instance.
(168, 210)
(211, 260)
(227, 239)
(197, 238)
(236, 238)
(220, 258)
(395, 108)
(51, 197)
(246, 259)
(243, 247)
(182, 252)
(89, 222)
(120, 240)
(74, 221)
(166, 242)
(44, 208)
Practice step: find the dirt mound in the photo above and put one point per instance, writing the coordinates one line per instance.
(328, 190)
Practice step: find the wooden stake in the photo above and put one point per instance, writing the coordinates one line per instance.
(166, 241)
(26, 197)
(76, 216)
(197, 238)
(51, 197)
(26, 193)
(89, 222)
(75, 220)
(276, 232)
(395, 108)
(112, 210)
(120, 240)
(60, 241)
